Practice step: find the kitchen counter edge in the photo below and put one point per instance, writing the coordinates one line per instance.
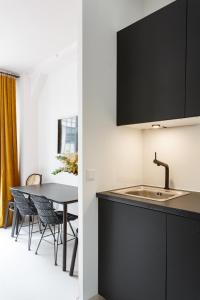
(187, 206)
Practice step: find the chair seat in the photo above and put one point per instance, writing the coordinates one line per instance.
(70, 217)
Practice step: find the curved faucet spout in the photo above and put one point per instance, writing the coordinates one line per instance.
(166, 166)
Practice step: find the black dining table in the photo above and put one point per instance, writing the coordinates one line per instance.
(57, 193)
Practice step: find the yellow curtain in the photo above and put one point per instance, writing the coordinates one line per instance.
(9, 175)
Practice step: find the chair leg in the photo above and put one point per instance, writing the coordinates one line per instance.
(22, 221)
(53, 232)
(18, 218)
(61, 234)
(14, 222)
(30, 231)
(6, 217)
(54, 235)
(56, 255)
(39, 225)
(70, 225)
(71, 272)
(36, 252)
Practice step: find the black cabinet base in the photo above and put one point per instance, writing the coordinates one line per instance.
(132, 251)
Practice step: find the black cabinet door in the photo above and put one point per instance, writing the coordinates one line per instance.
(151, 67)
(132, 252)
(183, 259)
(193, 59)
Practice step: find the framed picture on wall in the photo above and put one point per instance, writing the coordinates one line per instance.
(68, 135)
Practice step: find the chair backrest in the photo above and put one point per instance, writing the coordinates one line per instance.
(45, 210)
(34, 179)
(24, 205)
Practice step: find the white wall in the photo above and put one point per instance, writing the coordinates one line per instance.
(180, 148)
(44, 96)
(152, 5)
(57, 99)
(113, 154)
(27, 128)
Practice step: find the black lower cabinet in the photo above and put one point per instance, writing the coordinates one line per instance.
(183, 258)
(132, 252)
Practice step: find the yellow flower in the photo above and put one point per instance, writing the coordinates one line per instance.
(70, 162)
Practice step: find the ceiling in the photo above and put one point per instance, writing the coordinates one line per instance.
(34, 30)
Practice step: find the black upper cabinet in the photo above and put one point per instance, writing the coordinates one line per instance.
(193, 59)
(183, 258)
(151, 67)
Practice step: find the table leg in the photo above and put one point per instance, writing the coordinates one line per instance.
(64, 237)
(71, 272)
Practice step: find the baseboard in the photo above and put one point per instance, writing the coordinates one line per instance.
(97, 297)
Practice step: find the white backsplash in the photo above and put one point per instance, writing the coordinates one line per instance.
(180, 148)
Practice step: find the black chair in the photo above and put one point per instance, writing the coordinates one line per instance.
(31, 180)
(50, 219)
(26, 208)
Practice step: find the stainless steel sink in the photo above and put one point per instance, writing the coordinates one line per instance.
(151, 193)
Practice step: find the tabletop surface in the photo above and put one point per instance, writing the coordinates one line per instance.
(59, 193)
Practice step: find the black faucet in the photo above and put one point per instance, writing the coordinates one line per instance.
(160, 163)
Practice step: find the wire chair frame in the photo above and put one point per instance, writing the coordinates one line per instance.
(51, 219)
(36, 179)
(26, 208)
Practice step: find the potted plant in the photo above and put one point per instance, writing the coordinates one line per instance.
(70, 163)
